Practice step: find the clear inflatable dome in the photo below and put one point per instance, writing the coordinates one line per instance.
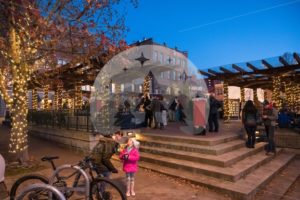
(142, 80)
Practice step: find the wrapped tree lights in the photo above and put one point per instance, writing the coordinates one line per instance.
(226, 102)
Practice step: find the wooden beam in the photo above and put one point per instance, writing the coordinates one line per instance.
(297, 57)
(283, 61)
(205, 73)
(249, 65)
(234, 66)
(213, 72)
(225, 70)
(266, 64)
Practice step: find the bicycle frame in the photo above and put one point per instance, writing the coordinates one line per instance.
(80, 172)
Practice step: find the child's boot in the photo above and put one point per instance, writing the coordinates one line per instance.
(128, 188)
(132, 188)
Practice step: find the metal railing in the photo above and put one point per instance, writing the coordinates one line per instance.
(67, 118)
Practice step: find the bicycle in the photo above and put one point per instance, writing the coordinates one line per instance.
(35, 191)
(96, 187)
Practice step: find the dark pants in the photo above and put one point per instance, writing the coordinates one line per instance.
(271, 143)
(251, 135)
(267, 128)
(213, 122)
(148, 118)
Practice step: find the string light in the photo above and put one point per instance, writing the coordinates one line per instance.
(34, 99)
(276, 91)
(242, 95)
(255, 97)
(78, 96)
(146, 86)
(226, 102)
(59, 96)
(46, 100)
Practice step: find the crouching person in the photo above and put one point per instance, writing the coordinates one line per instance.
(103, 152)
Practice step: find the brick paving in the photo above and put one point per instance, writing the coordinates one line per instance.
(149, 185)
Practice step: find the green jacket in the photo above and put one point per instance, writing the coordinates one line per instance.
(103, 152)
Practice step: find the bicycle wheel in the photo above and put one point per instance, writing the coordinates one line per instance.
(104, 189)
(24, 182)
(40, 191)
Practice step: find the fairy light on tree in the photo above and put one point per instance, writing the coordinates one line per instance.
(147, 84)
(33, 34)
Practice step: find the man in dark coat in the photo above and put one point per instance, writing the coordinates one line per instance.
(213, 114)
(103, 152)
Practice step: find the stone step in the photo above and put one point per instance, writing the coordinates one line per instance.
(279, 186)
(243, 189)
(212, 150)
(201, 140)
(223, 160)
(232, 173)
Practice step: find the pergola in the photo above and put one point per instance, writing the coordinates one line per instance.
(278, 74)
(69, 77)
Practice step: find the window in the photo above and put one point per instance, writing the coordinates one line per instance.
(161, 75)
(178, 61)
(155, 56)
(161, 59)
(174, 75)
(168, 75)
(167, 60)
(173, 61)
(183, 63)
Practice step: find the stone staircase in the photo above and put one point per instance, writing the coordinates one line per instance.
(221, 163)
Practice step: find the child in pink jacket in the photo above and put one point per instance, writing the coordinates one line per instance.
(130, 156)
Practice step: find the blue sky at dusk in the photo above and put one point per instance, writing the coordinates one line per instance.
(217, 32)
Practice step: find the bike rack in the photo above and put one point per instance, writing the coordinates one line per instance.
(77, 168)
(39, 186)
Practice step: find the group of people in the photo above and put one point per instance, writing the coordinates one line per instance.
(129, 156)
(156, 111)
(250, 118)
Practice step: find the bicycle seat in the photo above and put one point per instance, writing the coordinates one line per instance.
(49, 158)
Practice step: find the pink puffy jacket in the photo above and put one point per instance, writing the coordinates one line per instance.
(130, 165)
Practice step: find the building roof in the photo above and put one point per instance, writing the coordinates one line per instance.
(258, 74)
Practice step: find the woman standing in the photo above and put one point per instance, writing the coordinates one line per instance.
(249, 119)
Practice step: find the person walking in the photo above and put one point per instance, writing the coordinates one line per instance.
(213, 122)
(249, 119)
(130, 156)
(270, 116)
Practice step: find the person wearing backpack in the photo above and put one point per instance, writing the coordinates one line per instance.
(249, 119)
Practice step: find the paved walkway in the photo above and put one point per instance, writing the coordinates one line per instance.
(149, 185)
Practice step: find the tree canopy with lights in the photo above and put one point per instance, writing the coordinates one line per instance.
(37, 34)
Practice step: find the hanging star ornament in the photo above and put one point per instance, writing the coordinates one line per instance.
(142, 59)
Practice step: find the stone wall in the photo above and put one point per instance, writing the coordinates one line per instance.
(287, 139)
(77, 140)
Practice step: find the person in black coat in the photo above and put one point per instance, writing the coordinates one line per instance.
(148, 113)
(213, 114)
(249, 119)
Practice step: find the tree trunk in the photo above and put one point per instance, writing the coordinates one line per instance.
(18, 137)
